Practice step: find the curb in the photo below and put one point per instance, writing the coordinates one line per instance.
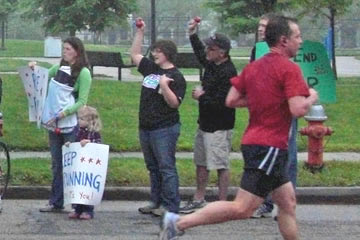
(305, 195)
(302, 156)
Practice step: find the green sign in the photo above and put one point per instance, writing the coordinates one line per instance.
(261, 49)
(314, 63)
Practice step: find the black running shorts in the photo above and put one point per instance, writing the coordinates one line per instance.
(265, 169)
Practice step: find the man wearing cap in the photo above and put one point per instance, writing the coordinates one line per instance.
(213, 138)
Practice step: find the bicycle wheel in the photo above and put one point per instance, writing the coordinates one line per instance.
(4, 169)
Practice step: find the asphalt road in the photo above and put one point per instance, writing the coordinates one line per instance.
(21, 219)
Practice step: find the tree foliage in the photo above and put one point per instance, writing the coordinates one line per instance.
(74, 15)
(6, 7)
(349, 25)
(324, 7)
(243, 15)
(330, 9)
(172, 17)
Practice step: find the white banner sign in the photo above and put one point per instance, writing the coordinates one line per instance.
(35, 84)
(84, 172)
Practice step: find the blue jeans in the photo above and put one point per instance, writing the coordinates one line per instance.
(158, 147)
(292, 157)
(56, 141)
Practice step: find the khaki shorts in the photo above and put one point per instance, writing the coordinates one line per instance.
(212, 150)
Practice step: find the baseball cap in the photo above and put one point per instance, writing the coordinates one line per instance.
(219, 40)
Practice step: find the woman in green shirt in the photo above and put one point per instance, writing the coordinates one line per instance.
(68, 90)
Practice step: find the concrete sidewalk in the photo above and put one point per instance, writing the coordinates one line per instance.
(347, 66)
(103, 73)
(302, 156)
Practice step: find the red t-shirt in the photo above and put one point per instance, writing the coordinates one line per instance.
(268, 83)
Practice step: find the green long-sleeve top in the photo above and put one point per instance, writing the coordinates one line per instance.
(82, 87)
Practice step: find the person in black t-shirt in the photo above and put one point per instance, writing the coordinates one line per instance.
(163, 90)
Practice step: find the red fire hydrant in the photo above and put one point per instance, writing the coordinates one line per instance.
(316, 131)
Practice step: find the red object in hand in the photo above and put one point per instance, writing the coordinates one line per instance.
(57, 131)
(139, 23)
(197, 19)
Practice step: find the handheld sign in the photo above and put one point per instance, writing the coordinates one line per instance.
(35, 84)
(84, 172)
(261, 49)
(314, 62)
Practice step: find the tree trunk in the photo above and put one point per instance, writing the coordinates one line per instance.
(332, 25)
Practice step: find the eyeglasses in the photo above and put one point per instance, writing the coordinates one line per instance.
(156, 51)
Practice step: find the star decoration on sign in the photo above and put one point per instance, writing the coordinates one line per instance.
(89, 160)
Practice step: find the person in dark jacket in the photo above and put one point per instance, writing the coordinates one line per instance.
(213, 138)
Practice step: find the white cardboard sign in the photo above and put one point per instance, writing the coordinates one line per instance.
(84, 172)
(35, 84)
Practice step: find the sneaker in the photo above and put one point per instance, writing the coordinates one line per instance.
(168, 227)
(159, 212)
(148, 209)
(192, 206)
(51, 208)
(262, 212)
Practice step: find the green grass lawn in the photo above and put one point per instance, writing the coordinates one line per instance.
(11, 64)
(118, 105)
(132, 172)
(34, 48)
(118, 102)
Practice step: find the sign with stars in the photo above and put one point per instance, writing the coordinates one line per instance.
(84, 172)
